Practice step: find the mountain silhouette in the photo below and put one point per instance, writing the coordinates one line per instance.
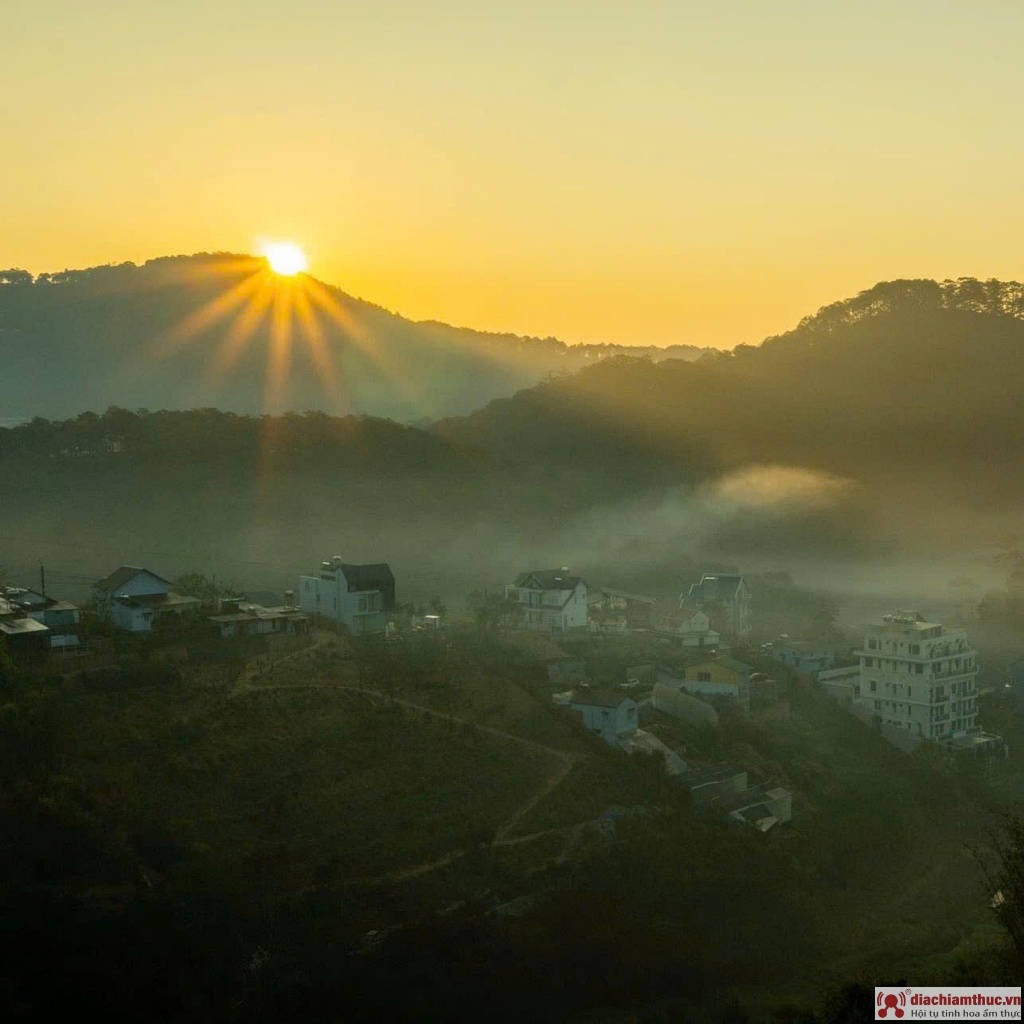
(220, 330)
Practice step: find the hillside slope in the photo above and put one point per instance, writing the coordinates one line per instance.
(192, 331)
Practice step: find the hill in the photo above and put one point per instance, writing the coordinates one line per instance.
(909, 391)
(187, 331)
(884, 426)
(416, 825)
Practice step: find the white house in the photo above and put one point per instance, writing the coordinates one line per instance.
(689, 627)
(550, 599)
(136, 600)
(610, 715)
(357, 596)
(727, 592)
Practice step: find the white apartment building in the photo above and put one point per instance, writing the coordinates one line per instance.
(919, 676)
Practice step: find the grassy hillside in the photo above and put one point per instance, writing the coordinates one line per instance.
(322, 848)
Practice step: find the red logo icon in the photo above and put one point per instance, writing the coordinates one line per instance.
(894, 1001)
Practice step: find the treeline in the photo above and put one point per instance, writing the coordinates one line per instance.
(121, 436)
(906, 380)
(165, 331)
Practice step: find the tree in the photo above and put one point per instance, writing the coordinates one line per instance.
(1006, 880)
(207, 589)
(7, 671)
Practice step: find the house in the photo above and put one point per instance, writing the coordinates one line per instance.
(643, 742)
(549, 599)
(725, 594)
(841, 684)
(61, 618)
(617, 610)
(23, 636)
(610, 715)
(716, 677)
(919, 680)
(137, 600)
(763, 807)
(243, 618)
(688, 627)
(722, 790)
(358, 597)
(679, 704)
(805, 657)
(708, 784)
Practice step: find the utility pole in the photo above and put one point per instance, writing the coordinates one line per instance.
(42, 580)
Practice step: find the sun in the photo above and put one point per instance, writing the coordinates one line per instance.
(285, 258)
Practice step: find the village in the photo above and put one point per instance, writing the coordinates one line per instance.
(625, 666)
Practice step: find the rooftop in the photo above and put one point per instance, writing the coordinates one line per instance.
(548, 579)
(600, 699)
(18, 627)
(120, 576)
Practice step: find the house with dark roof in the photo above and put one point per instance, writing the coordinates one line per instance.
(727, 595)
(550, 599)
(137, 600)
(358, 597)
(611, 715)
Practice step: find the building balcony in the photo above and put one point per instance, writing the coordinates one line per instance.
(950, 672)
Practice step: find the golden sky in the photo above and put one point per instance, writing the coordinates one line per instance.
(642, 172)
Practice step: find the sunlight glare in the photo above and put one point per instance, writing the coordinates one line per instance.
(285, 258)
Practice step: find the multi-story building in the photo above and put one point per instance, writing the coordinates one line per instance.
(550, 599)
(920, 677)
(357, 596)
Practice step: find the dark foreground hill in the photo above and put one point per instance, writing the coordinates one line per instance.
(220, 330)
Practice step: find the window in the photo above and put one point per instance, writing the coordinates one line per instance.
(878, 705)
(703, 677)
(872, 645)
(873, 686)
(915, 648)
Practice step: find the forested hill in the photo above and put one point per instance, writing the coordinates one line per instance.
(905, 380)
(219, 330)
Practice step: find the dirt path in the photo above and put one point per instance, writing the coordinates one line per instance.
(510, 823)
(567, 760)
